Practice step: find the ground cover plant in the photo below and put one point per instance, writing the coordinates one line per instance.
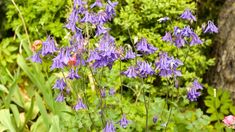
(109, 66)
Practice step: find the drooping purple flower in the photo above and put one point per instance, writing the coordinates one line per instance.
(94, 55)
(144, 47)
(100, 29)
(197, 85)
(77, 38)
(86, 18)
(129, 55)
(78, 3)
(155, 119)
(131, 72)
(66, 56)
(48, 47)
(167, 66)
(193, 92)
(167, 37)
(107, 52)
(102, 17)
(187, 32)
(79, 61)
(124, 122)
(60, 84)
(211, 28)
(110, 9)
(73, 74)
(163, 19)
(195, 39)
(79, 105)
(111, 91)
(60, 97)
(36, 58)
(179, 41)
(109, 127)
(73, 18)
(177, 30)
(103, 93)
(97, 3)
(144, 69)
(187, 15)
(58, 60)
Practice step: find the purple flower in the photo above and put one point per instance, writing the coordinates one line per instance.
(187, 14)
(193, 94)
(73, 74)
(179, 41)
(48, 47)
(102, 17)
(102, 93)
(168, 65)
(86, 18)
(131, 72)
(73, 18)
(109, 127)
(101, 30)
(155, 119)
(66, 55)
(94, 55)
(60, 84)
(163, 19)
(77, 37)
(110, 9)
(106, 54)
(187, 32)
(197, 85)
(111, 91)
(78, 3)
(195, 39)
(144, 47)
(211, 28)
(60, 97)
(129, 55)
(124, 122)
(167, 37)
(97, 3)
(144, 69)
(58, 60)
(177, 30)
(79, 61)
(36, 58)
(79, 105)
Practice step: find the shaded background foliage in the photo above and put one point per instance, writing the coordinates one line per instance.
(26, 93)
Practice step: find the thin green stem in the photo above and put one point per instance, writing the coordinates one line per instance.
(85, 96)
(146, 108)
(22, 19)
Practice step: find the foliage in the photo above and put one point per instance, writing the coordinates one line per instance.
(219, 105)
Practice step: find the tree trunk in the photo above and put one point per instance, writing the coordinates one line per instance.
(223, 74)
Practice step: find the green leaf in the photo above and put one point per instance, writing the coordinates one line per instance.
(3, 88)
(43, 110)
(16, 114)
(6, 121)
(55, 127)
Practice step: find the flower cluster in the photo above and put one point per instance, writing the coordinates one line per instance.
(168, 66)
(181, 37)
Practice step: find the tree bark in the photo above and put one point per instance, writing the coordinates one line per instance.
(223, 74)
